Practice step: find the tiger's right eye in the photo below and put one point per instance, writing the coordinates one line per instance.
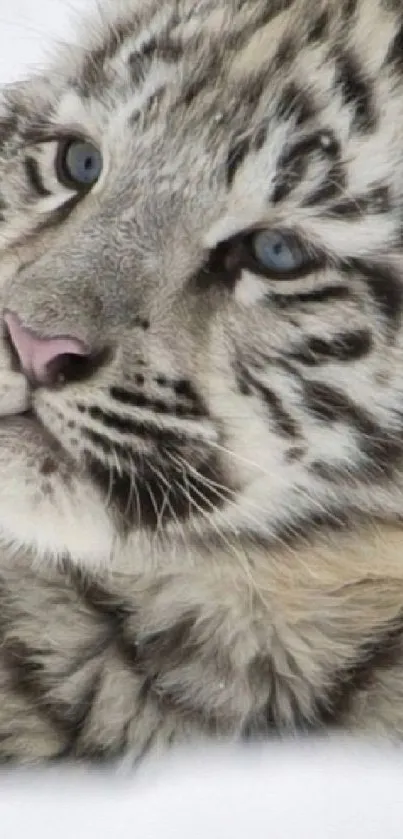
(78, 164)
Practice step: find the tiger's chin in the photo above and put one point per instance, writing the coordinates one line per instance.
(55, 508)
(48, 510)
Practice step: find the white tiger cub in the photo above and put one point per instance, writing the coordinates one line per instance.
(201, 388)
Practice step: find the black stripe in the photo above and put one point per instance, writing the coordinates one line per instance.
(34, 177)
(136, 428)
(265, 13)
(319, 27)
(380, 450)
(395, 51)
(101, 600)
(108, 446)
(193, 89)
(146, 656)
(139, 61)
(382, 651)
(345, 346)
(385, 287)
(237, 153)
(333, 699)
(349, 8)
(169, 648)
(188, 402)
(293, 162)
(161, 48)
(328, 404)
(295, 102)
(383, 455)
(285, 54)
(291, 170)
(380, 459)
(376, 201)
(326, 294)
(31, 681)
(58, 216)
(356, 91)
(283, 421)
(249, 98)
(334, 182)
(92, 75)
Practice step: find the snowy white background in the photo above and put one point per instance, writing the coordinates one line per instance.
(304, 791)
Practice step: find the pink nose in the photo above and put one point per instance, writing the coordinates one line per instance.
(43, 360)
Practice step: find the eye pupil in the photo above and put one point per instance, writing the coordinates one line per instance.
(78, 164)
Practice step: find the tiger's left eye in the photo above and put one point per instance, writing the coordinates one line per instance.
(78, 164)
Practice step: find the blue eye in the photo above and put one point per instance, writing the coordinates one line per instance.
(277, 253)
(79, 164)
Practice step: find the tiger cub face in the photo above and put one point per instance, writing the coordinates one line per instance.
(201, 277)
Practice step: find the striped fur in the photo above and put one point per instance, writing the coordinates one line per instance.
(200, 525)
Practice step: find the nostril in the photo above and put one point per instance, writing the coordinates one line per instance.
(46, 361)
(70, 367)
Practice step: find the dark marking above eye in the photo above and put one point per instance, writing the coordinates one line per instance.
(333, 184)
(376, 201)
(162, 48)
(357, 91)
(295, 102)
(293, 164)
(92, 74)
(237, 153)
